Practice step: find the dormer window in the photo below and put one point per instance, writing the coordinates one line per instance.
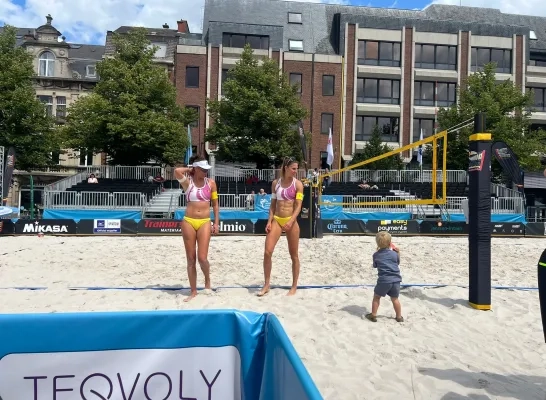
(161, 50)
(294, 18)
(533, 35)
(47, 64)
(90, 71)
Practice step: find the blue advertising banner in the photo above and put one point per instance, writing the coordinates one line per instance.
(153, 355)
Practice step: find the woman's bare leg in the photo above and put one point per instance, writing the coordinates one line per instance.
(270, 242)
(203, 241)
(189, 236)
(293, 238)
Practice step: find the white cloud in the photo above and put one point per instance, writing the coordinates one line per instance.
(524, 7)
(87, 22)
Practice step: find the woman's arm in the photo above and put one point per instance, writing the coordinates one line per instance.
(180, 175)
(298, 201)
(273, 205)
(215, 206)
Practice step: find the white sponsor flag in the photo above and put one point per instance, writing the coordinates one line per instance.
(330, 150)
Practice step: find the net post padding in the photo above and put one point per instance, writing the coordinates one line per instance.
(435, 199)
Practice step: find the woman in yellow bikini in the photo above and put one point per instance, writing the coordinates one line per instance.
(200, 191)
(286, 200)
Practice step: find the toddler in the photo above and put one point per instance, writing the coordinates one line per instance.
(387, 261)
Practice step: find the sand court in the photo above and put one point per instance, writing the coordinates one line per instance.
(444, 350)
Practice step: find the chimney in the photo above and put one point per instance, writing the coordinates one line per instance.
(49, 18)
(165, 26)
(183, 26)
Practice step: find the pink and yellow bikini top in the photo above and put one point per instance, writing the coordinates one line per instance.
(290, 193)
(199, 194)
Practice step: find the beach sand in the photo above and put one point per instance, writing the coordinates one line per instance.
(444, 350)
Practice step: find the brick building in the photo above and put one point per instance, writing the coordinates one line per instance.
(360, 66)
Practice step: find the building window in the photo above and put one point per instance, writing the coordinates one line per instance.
(161, 49)
(238, 40)
(60, 111)
(439, 94)
(537, 63)
(427, 125)
(224, 79)
(296, 79)
(295, 45)
(388, 127)
(48, 103)
(381, 91)
(328, 83)
(47, 64)
(90, 71)
(86, 158)
(56, 157)
(430, 56)
(385, 54)
(539, 97)
(326, 123)
(323, 160)
(294, 18)
(192, 77)
(482, 56)
(532, 35)
(195, 123)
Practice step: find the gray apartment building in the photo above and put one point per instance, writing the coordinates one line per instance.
(359, 66)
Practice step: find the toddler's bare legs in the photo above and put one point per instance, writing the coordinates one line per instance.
(375, 304)
(397, 307)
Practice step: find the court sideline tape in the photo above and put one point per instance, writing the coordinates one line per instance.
(173, 289)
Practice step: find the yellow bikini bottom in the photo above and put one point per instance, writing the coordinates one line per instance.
(281, 220)
(196, 223)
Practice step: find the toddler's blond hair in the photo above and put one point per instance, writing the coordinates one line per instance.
(383, 240)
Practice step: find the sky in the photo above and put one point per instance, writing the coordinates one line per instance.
(84, 21)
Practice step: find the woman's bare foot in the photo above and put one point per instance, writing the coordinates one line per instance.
(292, 291)
(191, 296)
(264, 291)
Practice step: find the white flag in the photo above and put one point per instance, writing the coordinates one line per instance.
(330, 150)
(420, 151)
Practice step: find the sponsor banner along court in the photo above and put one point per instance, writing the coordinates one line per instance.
(237, 227)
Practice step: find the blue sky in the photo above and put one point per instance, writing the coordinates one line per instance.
(84, 21)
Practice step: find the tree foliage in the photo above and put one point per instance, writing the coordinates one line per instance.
(508, 112)
(132, 114)
(256, 117)
(24, 123)
(375, 147)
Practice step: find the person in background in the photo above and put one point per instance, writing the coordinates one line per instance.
(200, 192)
(250, 201)
(92, 179)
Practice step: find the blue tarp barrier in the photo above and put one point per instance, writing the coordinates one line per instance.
(91, 214)
(507, 218)
(155, 355)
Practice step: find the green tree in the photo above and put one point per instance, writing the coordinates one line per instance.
(508, 112)
(375, 147)
(255, 119)
(24, 123)
(132, 114)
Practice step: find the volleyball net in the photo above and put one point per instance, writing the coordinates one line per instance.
(431, 191)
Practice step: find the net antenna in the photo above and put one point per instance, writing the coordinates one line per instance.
(435, 199)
